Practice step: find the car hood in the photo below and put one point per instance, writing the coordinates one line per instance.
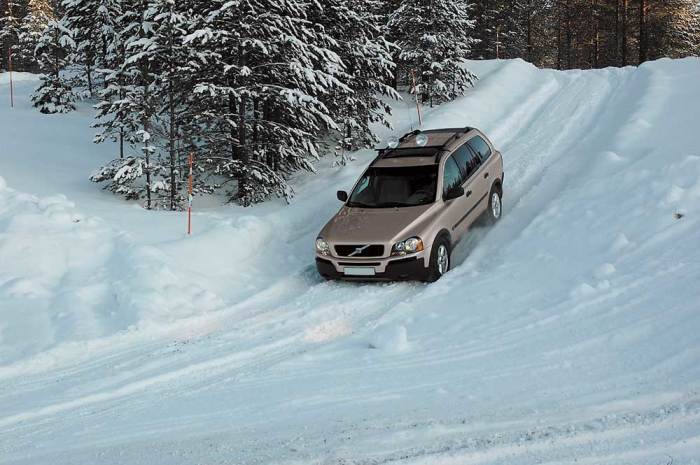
(373, 225)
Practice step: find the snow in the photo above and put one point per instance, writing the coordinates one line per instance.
(569, 332)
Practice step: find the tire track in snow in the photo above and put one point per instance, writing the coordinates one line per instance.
(528, 445)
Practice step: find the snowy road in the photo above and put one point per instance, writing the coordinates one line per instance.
(568, 332)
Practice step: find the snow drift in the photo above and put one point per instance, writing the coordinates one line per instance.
(568, 332)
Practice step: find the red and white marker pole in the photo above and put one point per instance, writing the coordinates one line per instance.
(189, 197)
(415, 92)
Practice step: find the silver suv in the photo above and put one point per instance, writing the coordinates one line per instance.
(414, 202)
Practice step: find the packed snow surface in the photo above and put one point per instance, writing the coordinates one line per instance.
(569, 332)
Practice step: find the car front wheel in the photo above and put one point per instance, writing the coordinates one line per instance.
(439, 260)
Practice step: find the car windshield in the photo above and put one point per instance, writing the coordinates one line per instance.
(395, 187)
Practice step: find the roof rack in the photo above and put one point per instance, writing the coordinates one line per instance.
(426, 151)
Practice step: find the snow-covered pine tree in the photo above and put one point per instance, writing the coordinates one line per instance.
(54, 95)
(261, 99)
(80, 18)
(355, 32)
(434, 38)
(177, 66)
(500, 27)
(10, 23)
(34, 23)
(113, 116)
(153, 63)
(137, 176)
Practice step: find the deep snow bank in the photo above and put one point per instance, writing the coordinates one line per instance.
(570, 331)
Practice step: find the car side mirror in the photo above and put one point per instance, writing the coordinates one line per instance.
(342, 196)
(454, 193)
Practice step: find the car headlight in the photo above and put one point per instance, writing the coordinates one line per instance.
(407, 247)
(322, 247)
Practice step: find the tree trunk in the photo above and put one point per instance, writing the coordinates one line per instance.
(243, 179)
(173, 185)
(617, 31)
(232, 111)
(528, 26)
(171, 108)
(145, 120)
(596, 35)
(642, 31)
(569, 37)
(559, 38)
(121, 142)
(267, 116)
(624, 32)
(88, 69)
(104, 57)
(256, 117)
(146, 144)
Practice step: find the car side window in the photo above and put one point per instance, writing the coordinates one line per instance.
(452, 177)
(462, 156)
(479, 145)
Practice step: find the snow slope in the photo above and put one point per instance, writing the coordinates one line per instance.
(569, 332)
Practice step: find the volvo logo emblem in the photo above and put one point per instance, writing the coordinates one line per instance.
(358, 251)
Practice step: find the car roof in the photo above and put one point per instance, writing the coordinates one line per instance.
(409, 153)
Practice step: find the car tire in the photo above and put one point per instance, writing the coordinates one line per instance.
(440, 260)
(495, 208)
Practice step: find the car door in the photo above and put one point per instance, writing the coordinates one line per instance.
(469, 164)
(485, 173)
(453, 177)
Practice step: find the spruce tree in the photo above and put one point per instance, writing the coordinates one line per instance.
(10, 24)
(355, 32)
(34, 23)
(434, 38)
(262, 97)
(113, 116)
(54, 95)
(80, 18)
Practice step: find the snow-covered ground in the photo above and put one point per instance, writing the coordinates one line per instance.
(569, 332)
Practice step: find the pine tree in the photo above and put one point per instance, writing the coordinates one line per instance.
(144, 101)
(141, 99)
(39, 14)
(434, 38)
(366, 56)
(54, 95)
(80, 18)
(10, 24)
(261, 99)
(113, 116)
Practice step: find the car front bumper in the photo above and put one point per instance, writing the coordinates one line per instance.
(399, 269)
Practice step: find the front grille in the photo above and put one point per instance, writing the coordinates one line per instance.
(354, 250)
(359, 263)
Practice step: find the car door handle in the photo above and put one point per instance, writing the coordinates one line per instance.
(486, 175)
(469, 193)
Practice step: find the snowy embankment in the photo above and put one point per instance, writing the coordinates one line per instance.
(568, 332)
